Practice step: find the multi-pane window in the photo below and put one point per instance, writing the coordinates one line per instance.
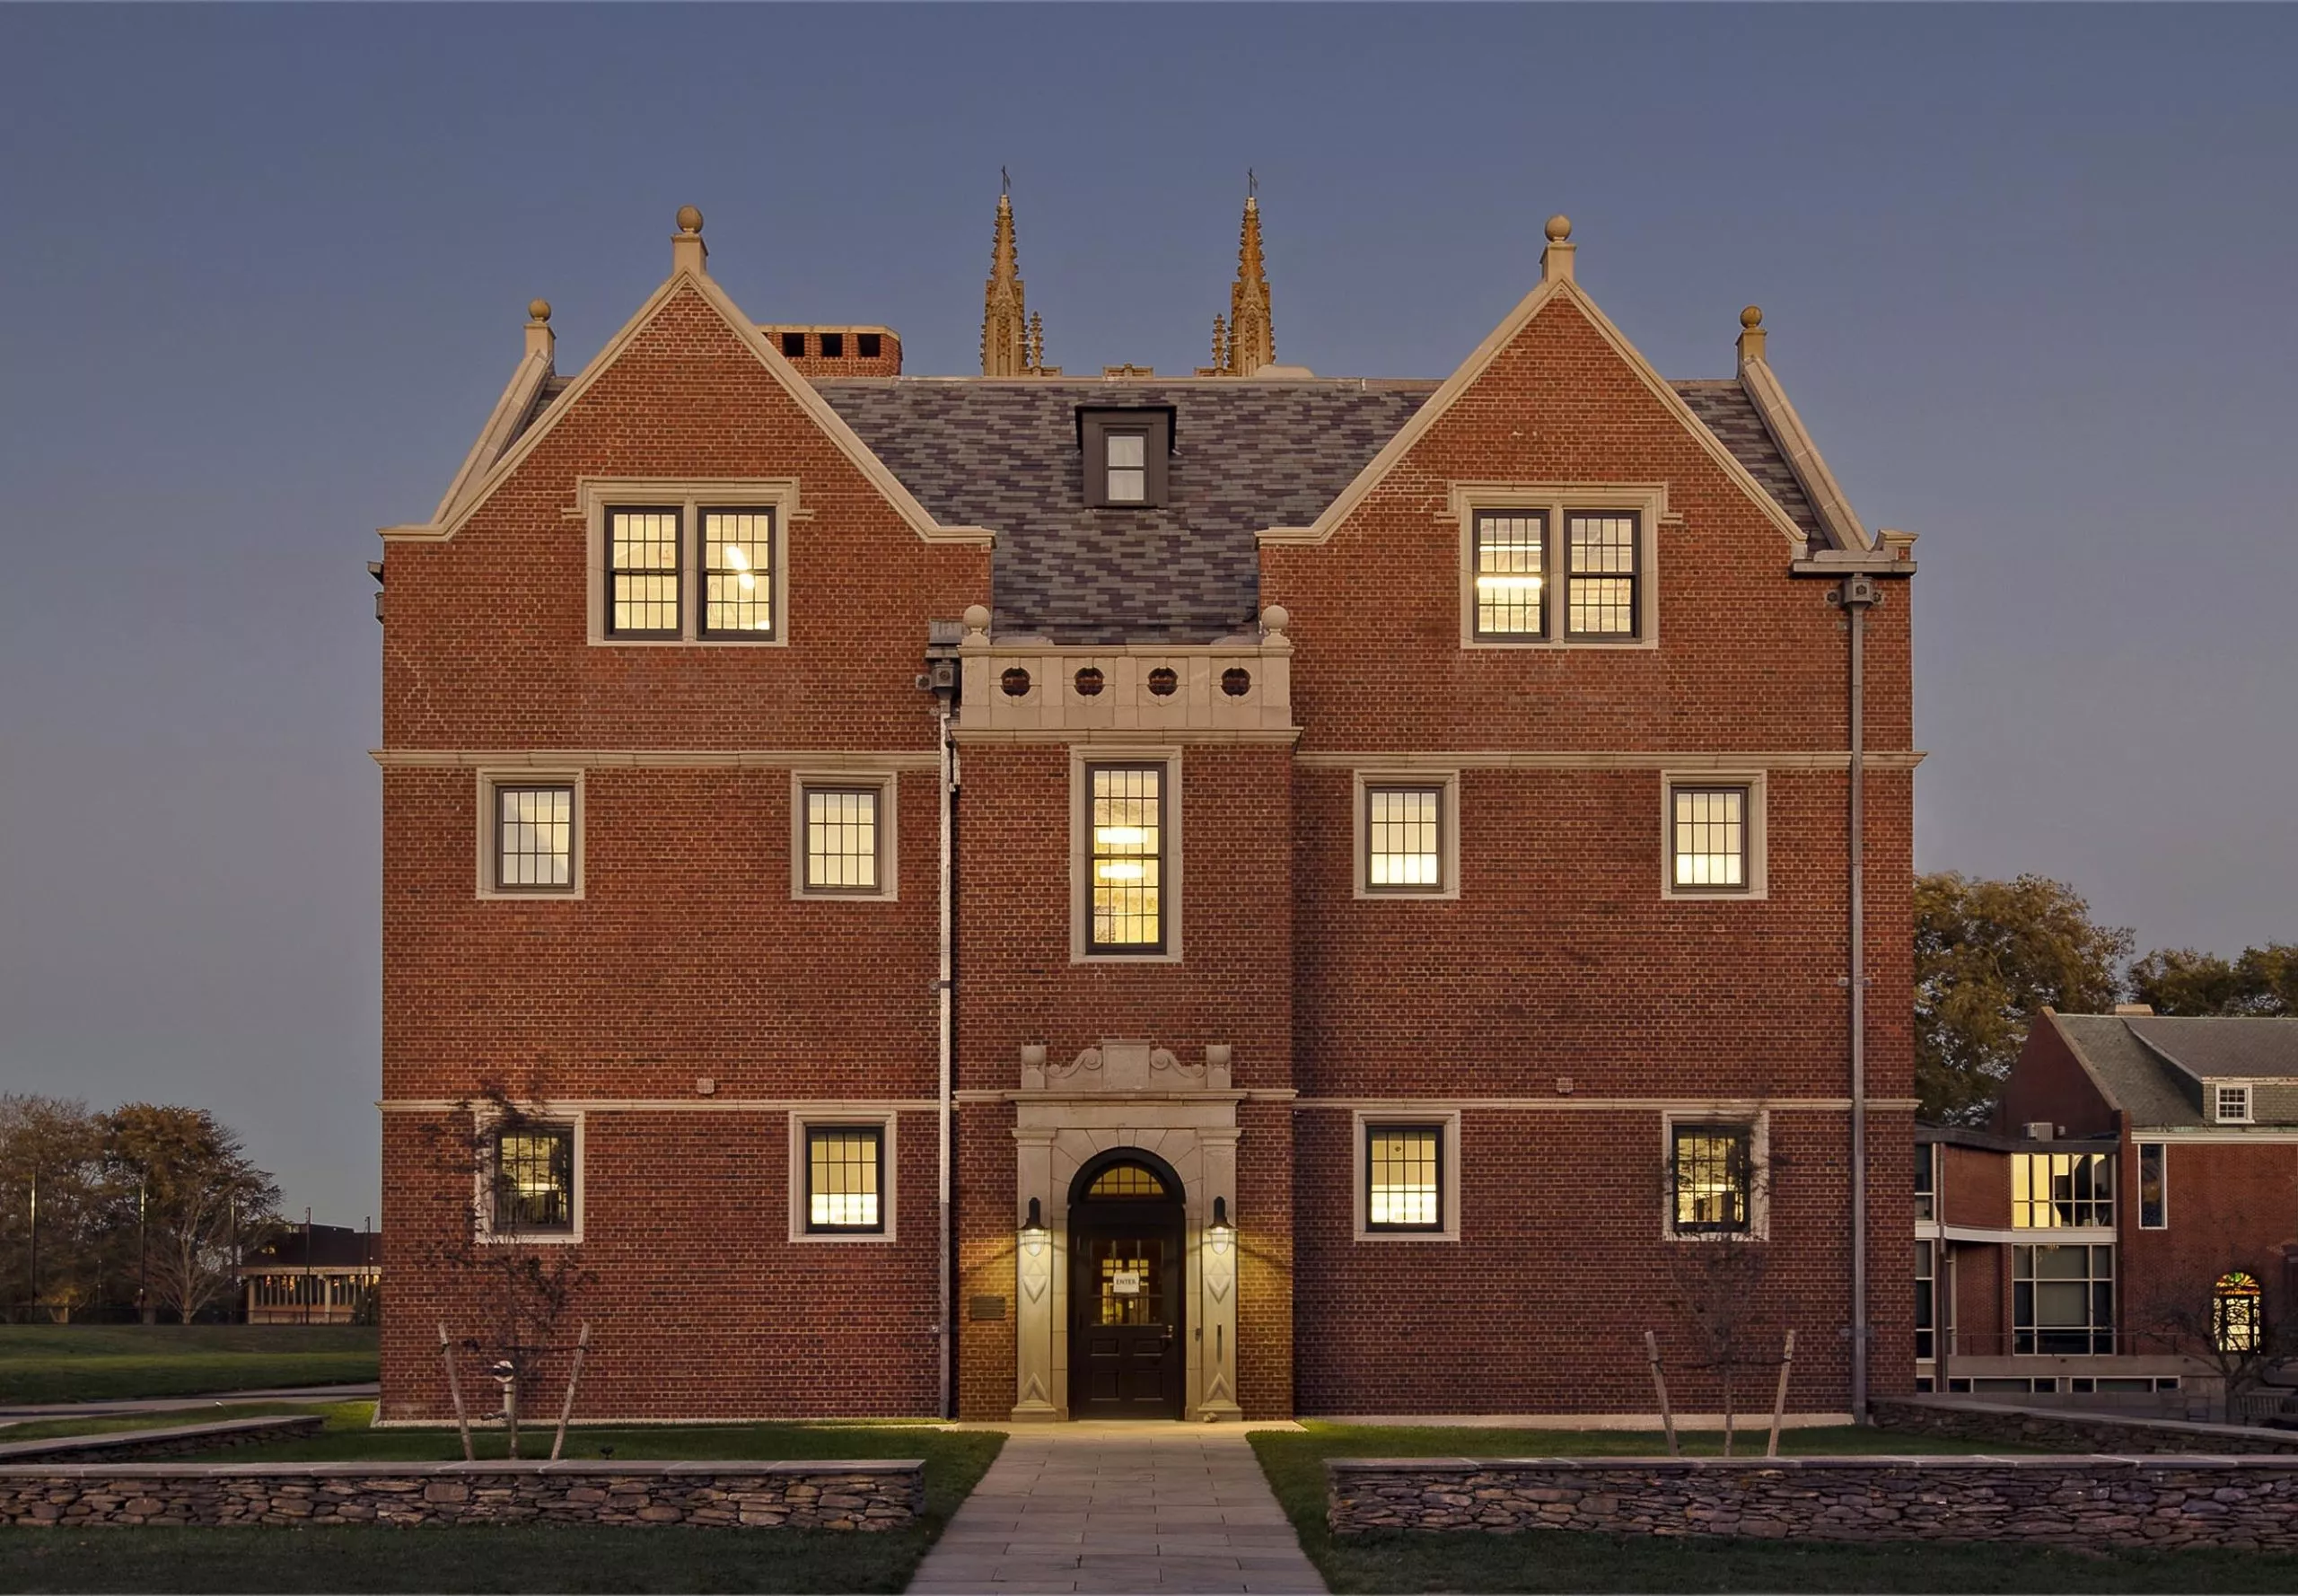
(2063, 1300)
(842, 847)
(2233, 1104)
(1125, 823)
(1404, 1176)
(1926, 1181)
(1711, 1177)
(533, 1179)
(2237, 1316)
(1511, 574)
(534, 837)
(1707, 841)
(1404, 840)
(844, 1177)
(1927, 1299)
(643, 565)
(2060, 1190)
(2153, 1187)
(1127, 463)
(1599, 575)
(738, 574)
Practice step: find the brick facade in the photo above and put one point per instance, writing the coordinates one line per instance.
(685, 1006)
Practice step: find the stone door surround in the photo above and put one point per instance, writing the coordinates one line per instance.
(1126, 1092)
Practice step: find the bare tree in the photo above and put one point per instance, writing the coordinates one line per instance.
(500, 1148)
(2222, 1317)
(1716, 1187)
(198, 1191)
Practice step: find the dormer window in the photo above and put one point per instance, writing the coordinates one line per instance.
(1125, 456)
(2233, 1104)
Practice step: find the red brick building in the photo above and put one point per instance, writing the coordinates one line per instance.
(1243, 894)
(2135, 1213)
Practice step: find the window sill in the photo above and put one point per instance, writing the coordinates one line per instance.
(529, 1238)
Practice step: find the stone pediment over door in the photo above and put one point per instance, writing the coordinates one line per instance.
(1126, 1064)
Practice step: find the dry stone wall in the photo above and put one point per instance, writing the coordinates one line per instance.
(867, 1494)
(179, 1440)
(1994, 1425)
(2091, 1502)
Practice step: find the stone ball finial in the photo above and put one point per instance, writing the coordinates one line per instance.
(1275, 617)
(539, 310)
(977, 617)
(690, 219)
(1752, 317)
(1559, 228)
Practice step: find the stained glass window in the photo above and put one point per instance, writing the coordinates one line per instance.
(2235, 1314)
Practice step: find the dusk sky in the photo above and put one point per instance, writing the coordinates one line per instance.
(2031, 278)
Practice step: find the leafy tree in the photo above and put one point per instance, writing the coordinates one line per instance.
(198, 1189)
(1987, 956)
(2216, 1313)
(51, 1169)
(2264, 981)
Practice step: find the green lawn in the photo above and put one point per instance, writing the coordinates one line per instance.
(47, 1429)
(1563, 1560)
(522, 1557)
(103, 1362)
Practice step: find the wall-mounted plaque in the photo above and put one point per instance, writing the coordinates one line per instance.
(982, 1308)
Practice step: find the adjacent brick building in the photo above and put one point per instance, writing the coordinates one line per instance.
(2130, 1230)
(1243, 894)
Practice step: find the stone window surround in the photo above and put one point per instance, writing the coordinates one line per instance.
(690, 496)
(1758, 836)
(492, 776)
(886, 784)
(483, 1181)
(1447, 1121)
(1759, 1167)
(827, 1116)
(1081, 849)
(1448, 831)
(1649, 501)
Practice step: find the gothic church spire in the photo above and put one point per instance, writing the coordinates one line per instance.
(1251, 336)
(1011, 347)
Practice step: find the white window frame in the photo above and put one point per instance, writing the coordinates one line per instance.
(1081, 850)
(1759, 884)
(1448, 832)
(690, 496)
(1759, 1171)
(484, 1125)
(886, 786)
(1447, 1121)
(829, 1117)
(1649, 504)
(2219, 1089)
(490, 840)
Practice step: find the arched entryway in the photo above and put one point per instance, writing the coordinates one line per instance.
(1127, 1287)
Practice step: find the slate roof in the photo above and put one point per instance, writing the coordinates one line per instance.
(2153, 1067)
(1247, 456)
(2212, 1048)
(2134, 1078)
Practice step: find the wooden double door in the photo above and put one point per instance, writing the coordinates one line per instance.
(1126, 1312)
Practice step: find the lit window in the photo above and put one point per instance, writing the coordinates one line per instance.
(1709, 844)
(2063, 1300)
(1128, 1181)
(534, 838)
(1712, 1174)
(1511, 574)
(1403, 1177)
(1128, 467)
(644, 559)
(534, 1179)
(738, 574)
(2236, 1319)
(844, 1177)
(1126, 857)
(2061, 1190)
(1404, 838)
(2153, 1187)
(2233, 1103)
(1926, 1299)
(1600, 575)
(842, 839)
(1926, 1181)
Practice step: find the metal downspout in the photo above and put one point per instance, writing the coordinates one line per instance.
(947, 1327)
(1854, 595)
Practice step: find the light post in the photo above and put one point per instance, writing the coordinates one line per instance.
(33, 1309)
(143, 1309)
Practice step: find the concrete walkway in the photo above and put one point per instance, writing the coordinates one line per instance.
(25, 1411)
(1115, 1507)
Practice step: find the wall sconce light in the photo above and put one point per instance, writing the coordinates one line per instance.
(1220, 1233)
(1033, 1231)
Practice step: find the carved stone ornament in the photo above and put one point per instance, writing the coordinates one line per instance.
(1126, 1063)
